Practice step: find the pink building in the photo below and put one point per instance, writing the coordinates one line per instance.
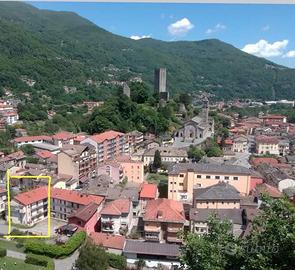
(112, 169)
(86, 218)
(132, 169)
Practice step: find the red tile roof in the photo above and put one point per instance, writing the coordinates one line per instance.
(80, 138)
(274, 116)
(41, 193)
(228, 142)
(267, 139)
(74, 196)
(85, 213)
(164, 210)
(108, 240)
(44, 154)
(64, 135)
(148, 191)
(108, 135)
(32, 196)
(116, 207)
(32, 138)
(267, 160)
(2, 190)
(272, 191)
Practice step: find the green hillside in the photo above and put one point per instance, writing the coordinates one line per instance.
(58, 49)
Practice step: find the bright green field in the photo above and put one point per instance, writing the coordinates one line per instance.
(19, 264)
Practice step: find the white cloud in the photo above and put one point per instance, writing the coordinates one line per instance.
(265, 49)
(265, 28)
(140, 37)
(289, 54)
(217, 28)
(180, 27)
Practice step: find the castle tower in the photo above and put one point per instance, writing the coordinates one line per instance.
(206, 109)
(160, 83)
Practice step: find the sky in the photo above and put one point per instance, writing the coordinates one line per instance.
(263, 30)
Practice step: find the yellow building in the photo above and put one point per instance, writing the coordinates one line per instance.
(184, 177)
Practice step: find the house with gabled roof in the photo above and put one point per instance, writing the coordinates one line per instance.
(163, 219)
(116, 216)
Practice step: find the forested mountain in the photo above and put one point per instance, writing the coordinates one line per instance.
(58, 49)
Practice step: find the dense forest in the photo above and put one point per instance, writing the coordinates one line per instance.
(58, 49)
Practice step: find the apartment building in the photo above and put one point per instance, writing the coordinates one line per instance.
(135, 139)
(240, 144)
(132, 169)
(267, 145)
(116, 216)
(77, 160)
(108, 145)
(3, 199)
(183, 177)
(163, 219)
(219, 196)
(168, 154)
(32, 206)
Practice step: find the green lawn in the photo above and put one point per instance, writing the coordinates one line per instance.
(19, 264)
(156, 178)
(11, 245)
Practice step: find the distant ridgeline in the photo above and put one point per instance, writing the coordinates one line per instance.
(62, 54)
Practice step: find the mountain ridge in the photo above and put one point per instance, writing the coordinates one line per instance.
(67, 49)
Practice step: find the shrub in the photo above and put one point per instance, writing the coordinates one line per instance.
(36, 260)
(117, 261)
(40, 260)
(3, 252)
(56, 251)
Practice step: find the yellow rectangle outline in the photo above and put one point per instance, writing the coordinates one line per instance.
(8, 177)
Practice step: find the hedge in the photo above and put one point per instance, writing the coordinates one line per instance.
(40, 260)
(55, 251)
(3, 252)
(117, 261)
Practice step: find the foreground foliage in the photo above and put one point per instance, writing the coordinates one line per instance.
(270, 246)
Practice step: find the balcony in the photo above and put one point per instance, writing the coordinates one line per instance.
(174, 229)
(152, 229)
(173, 239)
(152, 237)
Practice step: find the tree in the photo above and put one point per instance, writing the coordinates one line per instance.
(139, 92)
(195, 153)
(92, 257)
(208, 251)
(157, 160)
(214, 151)
(28, 149)
(270, 246)
(140, 264)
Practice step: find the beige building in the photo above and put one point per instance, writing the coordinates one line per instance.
(77, 160)
(267, 145)
(240, 144)
(184, 177)
(132, 169)
(219, 196)
(168, 154)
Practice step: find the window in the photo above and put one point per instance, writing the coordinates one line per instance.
(226, 177)
(181, 175)
(217, 177)
(208, 177)
(236, 178)
(199, 176)
(181, 184)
